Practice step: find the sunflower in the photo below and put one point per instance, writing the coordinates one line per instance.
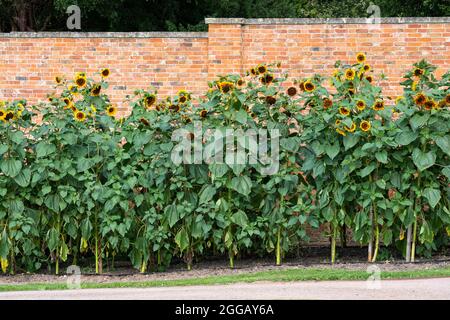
(184, 93)
(105, 73)
(351, 91)
(309, 86)
(160, 106)
(262, 69)
(291, 91)
(58, 79)
(271, 100)
(2, 114)
(352, 128)
(240, 82)
(111, 110)
(226, 86)
(366, 67)
(344, 111)
(67, 101)
(378, 105)
(253, 71)
(182, 99)
(95, 91)
(430, 104)
(80, 81)
(79, 116)
(266, 78)
(341, 132)
(349, 74)
(174, 107)
(360, 57)
(9, 115)
(360, 105)
(369, 79)
(144, 121)
(447, 99)
(203, 113)
(418, 72)
(420, 99)
(72, 89)
(365, 125)
(327, 103)
(149, 100)
(338, 122)
(441, 104)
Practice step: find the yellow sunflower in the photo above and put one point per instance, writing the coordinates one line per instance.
(365, 125)
(58, 79)
(80, 81)
(344, 111)
(378, 105)
(338, 122)
(9, 115)
(418, 72)
(366, 68)
(349, 74)
(226, 86)
(149, 100)
(291, 91)
(360, 57)
(111, 110)
(2, 114)
(203, 113)
(309, 86)
(105, 72)
(369, 79)
(352, 128)
(327, 103)
(420, 99)
(360, 105)
(447, 99)
(430, 104)
(95, 91)
(79, 116)
(262, 69)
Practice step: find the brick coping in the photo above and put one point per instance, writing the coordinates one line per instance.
(269, 21)
(104, 35)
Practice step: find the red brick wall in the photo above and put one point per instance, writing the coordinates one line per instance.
(173, 61)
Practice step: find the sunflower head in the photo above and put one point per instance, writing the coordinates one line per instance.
(369, 79)
(111, 110)
(337, 122)
(309, 86)
(80, 81)
(430, 104)
(253, 71)
(95, 91)
(240, 82)
(79, 116)
(262, 69)
(447, 99)
(350, 129)
(2, 114)
(105, 73)
(174, 107)
(182, 99)
(366, 67)
(149, 100)
(360, 105)
(327, 103)
(349, 74)
(266, 78)
(420, 99)
(378, 105)
(365, 125)
(344, 111)
(418, 72)
(360, 57)
(341, 132)
(291, 91)
(271, 100)
(203, 113)
(226, 86)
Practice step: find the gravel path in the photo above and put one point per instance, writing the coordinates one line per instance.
(418, 289)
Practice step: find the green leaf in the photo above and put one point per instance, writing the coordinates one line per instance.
(350, 141)
(11, 167)
(207, 194)
(242, 184)
(172, 214)
(446, 172)
(240, 218)
(241, 116)
(367, 170)
(44, 149)
(418, 121)
(182, 239)
(55, 202)
(218, 169)
(444, 144)
(4, 245)
(333, 150)
(382, 156)
(52, 239)
(23, 178)
(406, 137)
(423, 160)
(3, 149)
(432, 195)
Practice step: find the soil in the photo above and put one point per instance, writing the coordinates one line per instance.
(314, 258)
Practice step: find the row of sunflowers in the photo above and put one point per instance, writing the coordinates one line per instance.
(78, 184)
